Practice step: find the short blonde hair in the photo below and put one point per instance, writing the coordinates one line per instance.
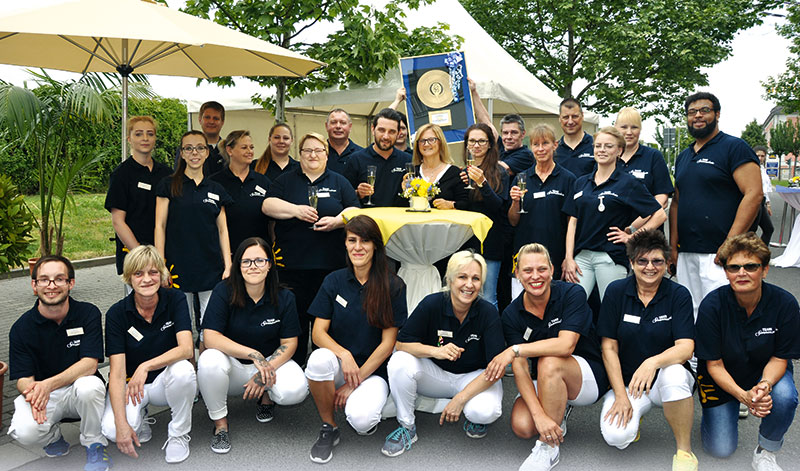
(613, 132)
(461, 259)
(314, 135)
(533, 248)
(141, 119)
(630, 115)
(444, 152)
(542, 131)
(140, 258)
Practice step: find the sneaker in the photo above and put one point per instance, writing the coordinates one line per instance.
(638, 430)
(765, 461)
(58, 448)
(265, 412)
(543, 457)
(146, 433)
(322, 450)
(221, 442)
(177, 448)
(97, 458)
(743, 411)
(399, 441)
(683, 461)
(368, 432)
(567, 412)
(475, 430)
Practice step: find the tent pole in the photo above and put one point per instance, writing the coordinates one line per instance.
(122, 70)
(490, 109)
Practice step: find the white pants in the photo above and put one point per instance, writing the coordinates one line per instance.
(202, 297)
(82, 400)
(673, 383)
(364, 406)
(700, 275)
(589, 392)
(174, 387)
(220, 375)
(409, 376)
(597, 267)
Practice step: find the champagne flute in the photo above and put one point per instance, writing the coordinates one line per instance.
(313, 198)
(522, 182)
(371, 170)
(412, 174)
(470, 163)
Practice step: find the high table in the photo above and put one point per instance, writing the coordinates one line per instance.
(791, 254)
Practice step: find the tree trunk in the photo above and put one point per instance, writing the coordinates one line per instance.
(280, 101)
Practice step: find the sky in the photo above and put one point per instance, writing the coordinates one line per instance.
(757, 53)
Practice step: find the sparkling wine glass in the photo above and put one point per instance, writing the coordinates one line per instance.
(313, 198)
(371, 170)
(522, 182)
(470, 163)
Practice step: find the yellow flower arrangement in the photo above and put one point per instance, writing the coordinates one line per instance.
(420, 187)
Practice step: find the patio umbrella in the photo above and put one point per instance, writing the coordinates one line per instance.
(127, 36)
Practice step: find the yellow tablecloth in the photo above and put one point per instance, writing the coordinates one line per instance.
(392, 219)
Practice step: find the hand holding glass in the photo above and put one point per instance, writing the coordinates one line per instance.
(521, 184)
(470, 163)
(371, 170)
(312, 199)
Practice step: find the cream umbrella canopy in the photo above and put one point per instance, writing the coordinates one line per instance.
(127, 36)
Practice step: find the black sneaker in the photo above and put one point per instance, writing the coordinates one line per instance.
(221, 442)
(265, 412)
(322, 451)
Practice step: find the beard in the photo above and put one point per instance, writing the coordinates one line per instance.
(703, 132)
(53, 301)
(384, 146)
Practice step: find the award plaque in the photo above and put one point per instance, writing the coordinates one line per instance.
(437, 92)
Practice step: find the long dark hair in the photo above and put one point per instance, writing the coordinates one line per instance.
(236, 280)
(489, 163)
(377, 297)
(263, 162)
(176, 185)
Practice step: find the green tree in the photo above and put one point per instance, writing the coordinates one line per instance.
(615, 53)
(753, 134)
(785, 88)
(367, 43)
(784, 138)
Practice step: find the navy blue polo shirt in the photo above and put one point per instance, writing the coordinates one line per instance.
(566, 310)
(388, 175)
(274, 170)
(648, 166)
(580, 160)
(41, 348)
(434, 323)
(616, 202)
(244, 215)
(708, 195)
(301, 247)
(192, 241)
(258, 325)
(643, 332)
(214, 163)
(494, 205)
(518, 160)
(744, 344)
(131, 188)
(336, 161)
(128, 333)
(544, 221)
(340, 299)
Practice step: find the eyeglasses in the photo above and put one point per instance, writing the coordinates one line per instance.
(748, 267)
(258, 262)
(657, 262)
(189, 149)
(309, 152)
(45, 282)
(429, 141)
(703, 110)
(477, 142)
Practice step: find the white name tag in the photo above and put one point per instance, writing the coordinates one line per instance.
(260, 190)
(144, 186)
(527, 334)
(75, 331)
(577, 195)
(213, 196)
(444, 333)
(341, 300)
(539, 194)
(631, 319)
(638, 174)
(323, 194)
(135, 334)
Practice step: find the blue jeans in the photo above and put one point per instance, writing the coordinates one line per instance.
(719, 428)
(490, 284)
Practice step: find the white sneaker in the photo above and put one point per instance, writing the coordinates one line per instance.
(567, 412)
(543, 457)
(145, 432)
(177, 448)
(765, 461)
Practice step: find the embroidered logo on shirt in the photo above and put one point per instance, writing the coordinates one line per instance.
(167, 325)
(398, 170)
(767, 331)
(260, 190)
(586, 155)
(472, 337)
(270, 322)
(74, 343)
(209, 200)
(555, 192)
(663, 318)
(640, 174)
(705, 161)
(609, 193)
(553, 322)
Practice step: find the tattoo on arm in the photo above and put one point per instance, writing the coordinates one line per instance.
(257, 380)
(258, 358)
(278, 352)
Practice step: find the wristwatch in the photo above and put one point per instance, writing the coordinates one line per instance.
(515, 349)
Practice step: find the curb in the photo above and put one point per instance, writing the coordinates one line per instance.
(88, 263)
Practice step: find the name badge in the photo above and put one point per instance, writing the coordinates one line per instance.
(444, 333)
(75, 331)
(638, 174)
(213, 196)
(144, 186)
(577, 195)
(527, 334)
(135, 334)
(341, 300)
(631, 319)
(539, 194)
(323, 194)
(260, 190)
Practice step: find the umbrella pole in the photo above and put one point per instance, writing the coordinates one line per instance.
(124, 116)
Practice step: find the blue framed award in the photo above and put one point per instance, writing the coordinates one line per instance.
(437, 92)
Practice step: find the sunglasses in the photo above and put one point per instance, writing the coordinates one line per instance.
(748, 267)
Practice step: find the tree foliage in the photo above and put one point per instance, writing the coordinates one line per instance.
(615, 53)
(16, 226)
(785, 88)
(753, 134)
(364, 44)
(784, 138)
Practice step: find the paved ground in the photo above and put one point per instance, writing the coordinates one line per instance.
(285, 442)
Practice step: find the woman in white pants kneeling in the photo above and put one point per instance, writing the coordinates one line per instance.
(647, 328)
(442, 351)
(149, 340)
(250, 331)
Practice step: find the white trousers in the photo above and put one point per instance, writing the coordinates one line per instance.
(220, 375)
(700, 275)
(410, 376)
(673, 383)
(174, 387)
(82, 400)
(364, 406)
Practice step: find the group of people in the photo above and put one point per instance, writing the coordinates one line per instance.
(259, 256)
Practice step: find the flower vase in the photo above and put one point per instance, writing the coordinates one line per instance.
(419, 204)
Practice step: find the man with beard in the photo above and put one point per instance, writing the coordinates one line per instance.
(575, 150)
(341, 147)
(390, 163)
(717, 195)
(54, 351)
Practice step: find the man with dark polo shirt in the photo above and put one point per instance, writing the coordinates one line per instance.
(390, 163)
(575, 150)
(717, 195)
(53, 355)
(341, 147)
(211, 117)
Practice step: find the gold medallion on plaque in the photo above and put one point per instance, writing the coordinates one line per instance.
(433, 89)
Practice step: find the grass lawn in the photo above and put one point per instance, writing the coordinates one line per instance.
(87, 227)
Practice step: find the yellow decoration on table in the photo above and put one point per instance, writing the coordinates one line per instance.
(420, 187)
